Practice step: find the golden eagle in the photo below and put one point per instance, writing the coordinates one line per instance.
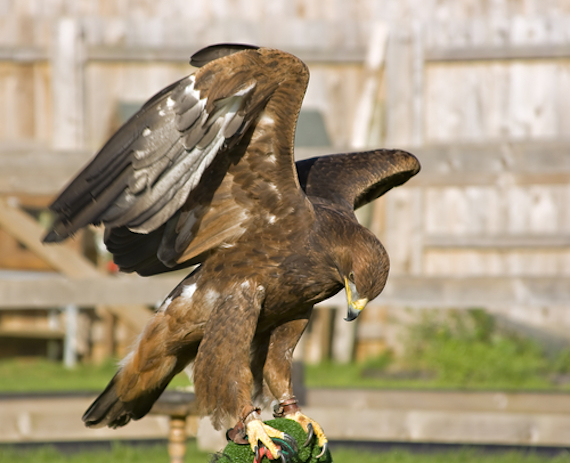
(204, 174)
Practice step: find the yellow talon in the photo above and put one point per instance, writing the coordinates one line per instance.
(257, 431)
(305, 421)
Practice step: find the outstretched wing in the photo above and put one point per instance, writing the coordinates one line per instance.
(355, 179)
(144, 173)
(188, 172)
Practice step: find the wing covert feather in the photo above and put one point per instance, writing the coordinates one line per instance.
(355, 179)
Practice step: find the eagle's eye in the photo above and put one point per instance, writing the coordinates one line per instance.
(351, 277)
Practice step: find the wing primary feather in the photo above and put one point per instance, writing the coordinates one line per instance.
(185, 120)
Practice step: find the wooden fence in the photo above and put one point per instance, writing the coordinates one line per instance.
(451, 417)
(482, 100)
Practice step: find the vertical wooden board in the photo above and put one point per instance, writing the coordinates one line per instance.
(453, 103)
(495, 215)
(563, 104)
(400, 229)
(17, 121)
(517, 210)
(435, 210)
(543, 215)
(565, 211)
(533, 96)
(458, 212)
(399, 83)
(42, 104)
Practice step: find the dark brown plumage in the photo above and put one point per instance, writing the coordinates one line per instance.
(204, 174)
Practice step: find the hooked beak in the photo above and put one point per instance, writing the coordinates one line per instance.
(355, 304)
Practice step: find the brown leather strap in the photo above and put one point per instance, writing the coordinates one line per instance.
(253, 410)
(237, 434)
(286, 407)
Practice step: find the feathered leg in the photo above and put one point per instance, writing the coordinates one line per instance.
(222, 375)
(278, 377)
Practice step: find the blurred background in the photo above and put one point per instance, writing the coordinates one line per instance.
(475, 318)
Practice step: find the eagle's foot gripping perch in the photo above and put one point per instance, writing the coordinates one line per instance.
(290, 410)
(263, 439)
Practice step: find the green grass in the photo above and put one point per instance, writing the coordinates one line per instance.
(41, 375)
(457, 456)
(463, 350)
(458, 350)
(120, 453)
(158, 454)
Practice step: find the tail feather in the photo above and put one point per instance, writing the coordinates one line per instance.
(109, 410)
(131, 393)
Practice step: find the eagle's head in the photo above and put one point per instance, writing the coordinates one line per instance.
(363, 267)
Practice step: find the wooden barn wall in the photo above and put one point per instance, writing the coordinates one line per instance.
(480, 90)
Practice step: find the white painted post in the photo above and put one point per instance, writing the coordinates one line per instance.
(70, 343)
(67, 85)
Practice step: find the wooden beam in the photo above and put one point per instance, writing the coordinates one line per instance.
(497, 52)
(39, 172)
(503, 418)
(493, 292)
(23, 291)
(502, 242)
(28, 232)
(62, 258)
(136, 53)
(58, 419)
(23, 54)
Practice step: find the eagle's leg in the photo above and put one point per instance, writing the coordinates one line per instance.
(223, 378)
(277, 374)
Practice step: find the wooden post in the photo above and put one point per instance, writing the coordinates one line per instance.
(177, 438)
(67, 85)
(70, 343)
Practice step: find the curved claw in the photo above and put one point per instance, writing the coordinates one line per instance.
(310, 434)
(310, 427)
(258, 432)
(256, 451)
(324, 450)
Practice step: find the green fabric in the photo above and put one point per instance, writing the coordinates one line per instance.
(234, 453)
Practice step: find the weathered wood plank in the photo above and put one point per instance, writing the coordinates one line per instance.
(57, 291)
(59, 419)
(402, 416)
(497, 241)
(23, 54)
(401, 291)
(498, 52)
(444, 400)
(113, 53)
